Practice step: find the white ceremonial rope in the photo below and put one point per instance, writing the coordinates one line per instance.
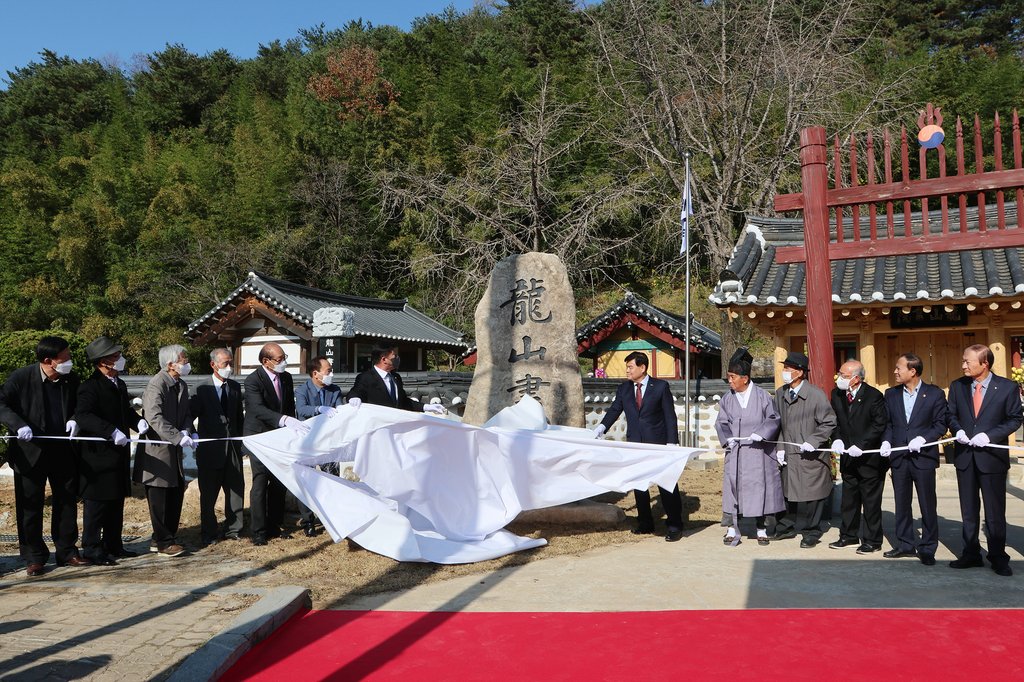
(144, 441)
(941, 441)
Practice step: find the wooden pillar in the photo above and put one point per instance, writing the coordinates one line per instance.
(814, 176)
(781, 350)
(867, 354)
(998, 343)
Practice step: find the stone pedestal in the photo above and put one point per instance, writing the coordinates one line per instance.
(526, 342)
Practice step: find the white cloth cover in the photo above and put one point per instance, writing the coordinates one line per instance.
(441, 491)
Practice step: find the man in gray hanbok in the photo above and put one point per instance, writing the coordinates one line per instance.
(807, 420)
(747, 421)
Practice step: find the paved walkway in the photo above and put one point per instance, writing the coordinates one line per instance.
(73, 624)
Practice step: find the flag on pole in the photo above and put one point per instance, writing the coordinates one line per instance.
(687, 210)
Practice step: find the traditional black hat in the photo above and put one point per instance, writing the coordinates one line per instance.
(797, 360)
(101, 348)
(740, 362)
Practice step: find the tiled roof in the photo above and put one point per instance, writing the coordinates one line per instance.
(753, 278)
(700, 336)
(385, 319)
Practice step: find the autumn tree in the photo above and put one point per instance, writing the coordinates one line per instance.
(354, 84)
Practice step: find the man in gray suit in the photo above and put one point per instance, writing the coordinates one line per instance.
(159, 467)
(217, 405)
(807, 419)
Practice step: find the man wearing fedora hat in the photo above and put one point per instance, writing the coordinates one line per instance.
(105, 411)
(808, 420)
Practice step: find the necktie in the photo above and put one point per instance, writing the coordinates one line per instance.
(392, 390)
(977, 398)
(321, 394)
(792, 395)
(639, 397)
(276, 380)
(849, 396)
(224, 398)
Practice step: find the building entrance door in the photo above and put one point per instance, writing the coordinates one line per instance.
(942, 353)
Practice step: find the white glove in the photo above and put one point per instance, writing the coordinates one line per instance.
(854, 451)
(25, 433)
(119, 438)
(326, 409)
(355, 402)
(961, 437)
(297, 426)
(886, 449)
(599, 431)
(142, 427)
(434, 408)
(136, 402)
(781, 456)
(806, 447)
(72, 428)
(756, 438)
(838, 446)
(980, 440)
(186, 440)
(915, 444)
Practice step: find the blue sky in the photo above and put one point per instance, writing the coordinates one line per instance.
(113, 31)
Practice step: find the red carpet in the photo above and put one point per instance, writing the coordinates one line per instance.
(711, 645)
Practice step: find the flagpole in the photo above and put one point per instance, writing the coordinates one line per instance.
(687, 203)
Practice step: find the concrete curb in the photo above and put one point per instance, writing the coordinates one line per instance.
(255, 624)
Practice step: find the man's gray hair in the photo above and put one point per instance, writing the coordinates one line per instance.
(169, 354)
(860, 368)
(218, 351)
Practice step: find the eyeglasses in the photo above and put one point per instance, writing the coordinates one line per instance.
(280, 359)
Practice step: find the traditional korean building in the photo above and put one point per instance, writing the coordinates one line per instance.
(263, 309)
(633, 324)
(933, 304)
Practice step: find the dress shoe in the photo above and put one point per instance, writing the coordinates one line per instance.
(153, 549)
(788, 535)
(642, 530)
(259, 541)
(966, 563)
(867, 549)
(310, 532)
(674, 535)
(763, 540)
(232, 538)
(285, 535)
(210, 543)
(842, 542)
(898, 554)
(1003, 570)
(172, 551)
(35, 570)
(124, 554)
(807, 543)
(105, 561)
(75, 561)
(927, 559)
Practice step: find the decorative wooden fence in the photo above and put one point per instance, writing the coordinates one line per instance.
(856, 216)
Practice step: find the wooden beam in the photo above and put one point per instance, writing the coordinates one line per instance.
(933, 243)
(915, 189)
(249, 308)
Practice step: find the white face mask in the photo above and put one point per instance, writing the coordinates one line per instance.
(224, 372)
(183, 370)
(63, 368)
(327, 379)
(281, 366)
(120, 363)
(843, 384)
(787, 376)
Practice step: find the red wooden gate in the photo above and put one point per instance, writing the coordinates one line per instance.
(860, 188)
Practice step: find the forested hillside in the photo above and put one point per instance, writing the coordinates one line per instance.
(394, 163)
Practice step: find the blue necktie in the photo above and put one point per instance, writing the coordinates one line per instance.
(393, 389)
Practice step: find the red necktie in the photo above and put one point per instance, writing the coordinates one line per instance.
(639, 397)
(849, 396)
(977, 398)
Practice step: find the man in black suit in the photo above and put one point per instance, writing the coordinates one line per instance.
(860, 422)
(39, 400)
(269, 405)
(105, 411)
(650, 418)
(917, 415)
(382, 385)
(984, 409)
(217, 404)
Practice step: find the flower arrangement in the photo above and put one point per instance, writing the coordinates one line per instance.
(1017, 374)
(600, 374)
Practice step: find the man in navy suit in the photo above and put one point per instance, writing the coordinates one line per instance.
(269, 405)
(382, 385)
(650, 418)
(917, 415)
(984, 409)
(317, 396)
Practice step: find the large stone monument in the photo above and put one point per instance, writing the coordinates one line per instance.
(526, 342)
